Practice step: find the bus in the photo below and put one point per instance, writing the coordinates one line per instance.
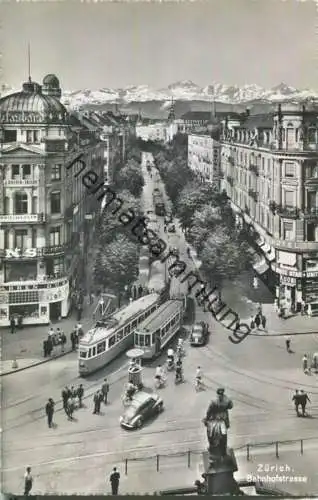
(154, 333)
(110, 337)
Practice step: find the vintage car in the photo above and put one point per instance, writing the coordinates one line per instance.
(142, 407)
(199, 334)
(171, 228)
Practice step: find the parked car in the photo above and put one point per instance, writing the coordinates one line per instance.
(175, 251)
(142, 407)
(171, 228)
(199, 334)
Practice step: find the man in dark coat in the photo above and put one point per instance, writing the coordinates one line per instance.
(49, 345)
(65, 397)
(296, 399)
(140, 291)
(12, 324)
(73, 340)
(105, 391)
(49, 410)
(97, 403)
(45, 353)
(303, 398)
(114, 481)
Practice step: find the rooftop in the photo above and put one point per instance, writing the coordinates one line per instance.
(154, 321)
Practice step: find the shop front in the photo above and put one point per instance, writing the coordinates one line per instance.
(37, 303)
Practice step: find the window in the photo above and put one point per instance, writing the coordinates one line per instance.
(55, 202)
(32, 136)
(111, 342)
(141, 340)
(94, 351)
(288, 228)
(311, 135)
(147, 340)
(23, 297)
(89, 353)
(26, 171)
(33, 237)
(56, 172)
(10, 136)
(29, 136)
(119, 335)
(21, 203)
(83, 354)
(15, 170)
(289, 198)
(127, 330)
(55, 236)
(289, 170)
(141, 318)
(20, 237)
(101, 347)
(312, 200)
(6, 238)
(134, 324)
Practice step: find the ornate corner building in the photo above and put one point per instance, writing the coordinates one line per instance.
(269, 168)
(46, 215)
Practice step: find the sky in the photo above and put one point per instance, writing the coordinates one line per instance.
(100, 45)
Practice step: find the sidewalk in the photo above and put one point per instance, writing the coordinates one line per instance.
(26, 345)
(244, 300)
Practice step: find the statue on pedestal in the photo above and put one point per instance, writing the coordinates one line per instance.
(217, 423)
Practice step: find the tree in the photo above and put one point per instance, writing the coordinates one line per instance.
(204, 223)
(110, 225)
(130, 178)
(116, 264)
(224, 256)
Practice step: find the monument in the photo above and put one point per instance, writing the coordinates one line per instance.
(219, 461)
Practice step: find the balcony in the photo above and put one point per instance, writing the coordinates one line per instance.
(18, 218)
(21, 182)
(253, 194)
(289, 212)
(311, 213)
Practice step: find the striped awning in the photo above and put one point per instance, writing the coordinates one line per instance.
(261, 266)
(271, 255)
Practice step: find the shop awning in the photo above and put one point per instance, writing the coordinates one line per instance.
(271, 255)
(261, 266)
(260, 241)
(266, 248)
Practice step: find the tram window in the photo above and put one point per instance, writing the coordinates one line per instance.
(83, 354)
(157, 333)
(134, 323)
(153, 338)
(147, 340)
(173, 320)
(111, 341)
(89, 353)
(141, 318)
(152, 310)
(127, 330)
(162, 332)
(101, 347)
(119, 335)
(94, 351)
(136, 338)
(141, 340)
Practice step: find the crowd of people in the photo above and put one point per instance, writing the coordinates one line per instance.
(57, 339)
(72, 398)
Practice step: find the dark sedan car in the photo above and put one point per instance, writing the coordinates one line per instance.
(142, 407)
(199, 334)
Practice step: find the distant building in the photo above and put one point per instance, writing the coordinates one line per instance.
(152, 131)
(270, 172)
(46, 215)
(204, 157)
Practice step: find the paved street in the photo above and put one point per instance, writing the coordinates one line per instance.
(258, 374)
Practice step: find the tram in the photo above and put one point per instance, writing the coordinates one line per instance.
(154, 333)
(100, 345)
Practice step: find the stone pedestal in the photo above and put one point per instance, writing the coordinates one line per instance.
(218, 476)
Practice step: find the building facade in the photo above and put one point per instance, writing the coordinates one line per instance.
(152, 131)
(46, 213)
(204, 157)
(269, 165)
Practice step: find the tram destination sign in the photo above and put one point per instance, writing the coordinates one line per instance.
(21, 117)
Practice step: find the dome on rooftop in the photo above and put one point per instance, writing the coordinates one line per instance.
(51, 80)
(32, 105)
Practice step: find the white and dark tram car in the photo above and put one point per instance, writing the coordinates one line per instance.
(110, 337)
(154, 333)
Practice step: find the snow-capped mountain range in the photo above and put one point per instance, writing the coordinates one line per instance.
(189, 91)
(186, 90)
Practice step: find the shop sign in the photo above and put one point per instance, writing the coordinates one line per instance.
(287, 272)
(287, 280)
(17, 253)
(311, 274)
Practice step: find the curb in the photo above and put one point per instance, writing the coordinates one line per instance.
(41, 362)
(261, 334)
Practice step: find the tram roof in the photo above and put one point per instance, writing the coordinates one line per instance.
(155, 320)
(119, 319)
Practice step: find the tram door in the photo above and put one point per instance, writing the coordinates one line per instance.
(157, 342)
